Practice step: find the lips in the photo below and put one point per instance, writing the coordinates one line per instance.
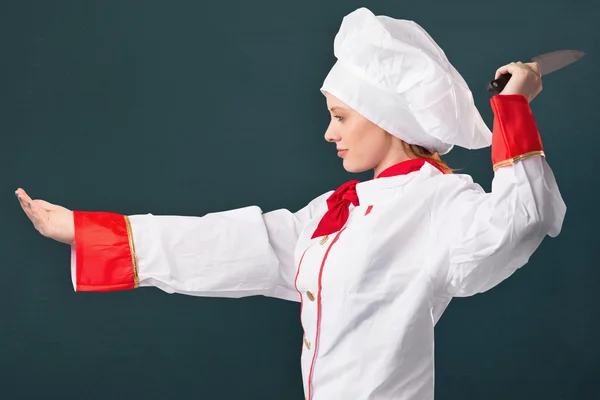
(342, 152)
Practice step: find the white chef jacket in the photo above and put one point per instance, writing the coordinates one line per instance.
(372, 292)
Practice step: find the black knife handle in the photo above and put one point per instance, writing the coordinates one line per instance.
(496, 86)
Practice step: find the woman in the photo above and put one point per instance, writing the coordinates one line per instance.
(373, 264)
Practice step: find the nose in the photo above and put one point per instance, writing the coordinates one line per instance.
(331, 134)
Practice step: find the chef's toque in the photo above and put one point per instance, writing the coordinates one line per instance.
(394, 74)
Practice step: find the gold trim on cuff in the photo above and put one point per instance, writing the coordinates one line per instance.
(136, 279)
(518, 158)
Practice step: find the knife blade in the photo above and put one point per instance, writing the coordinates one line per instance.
(549, 62)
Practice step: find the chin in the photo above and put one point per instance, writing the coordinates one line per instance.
(354, 167)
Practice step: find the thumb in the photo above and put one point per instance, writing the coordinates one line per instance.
(535, 66)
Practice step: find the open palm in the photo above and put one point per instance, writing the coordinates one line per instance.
(50, 220)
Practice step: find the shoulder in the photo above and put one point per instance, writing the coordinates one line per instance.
(320, 200)
(448, 190)
(317, 205)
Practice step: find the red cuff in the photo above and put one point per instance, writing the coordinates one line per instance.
(515, 136)
(104, 252)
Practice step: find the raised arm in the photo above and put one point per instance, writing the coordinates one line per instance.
(235, 253)
(490, 235)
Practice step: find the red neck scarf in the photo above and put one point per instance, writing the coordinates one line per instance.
(338, 203)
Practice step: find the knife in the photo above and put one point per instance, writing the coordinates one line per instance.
(549, 62)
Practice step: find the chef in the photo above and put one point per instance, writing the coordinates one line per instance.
(373, 264)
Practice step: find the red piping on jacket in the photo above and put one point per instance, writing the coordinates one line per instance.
(312, 364)
(296, 286)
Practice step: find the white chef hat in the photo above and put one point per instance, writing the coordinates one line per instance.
(394, 74)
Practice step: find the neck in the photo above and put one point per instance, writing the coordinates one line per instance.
(396, 154)
(389, 161)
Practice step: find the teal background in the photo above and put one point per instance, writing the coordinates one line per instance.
(187, 107)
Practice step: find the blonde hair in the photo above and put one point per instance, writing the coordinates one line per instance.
(413, 150)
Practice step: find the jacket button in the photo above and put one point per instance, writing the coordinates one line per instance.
(307, 343)
(310, 296)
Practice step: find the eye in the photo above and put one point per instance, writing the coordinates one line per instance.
(338, 117)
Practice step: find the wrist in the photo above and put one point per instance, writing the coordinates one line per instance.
(515, 136)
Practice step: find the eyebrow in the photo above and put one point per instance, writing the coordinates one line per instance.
(335, 108)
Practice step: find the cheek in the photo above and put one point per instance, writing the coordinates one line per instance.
(367, 143)
(371, 142)
(365, 152)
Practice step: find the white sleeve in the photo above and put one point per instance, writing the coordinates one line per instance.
(491, 235)
(235, 253)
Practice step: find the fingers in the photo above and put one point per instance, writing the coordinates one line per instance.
(518, 67)
(505, 69)
(20, 193)
(26, 205)
(42, 204)
(25, 202)
(32, 209)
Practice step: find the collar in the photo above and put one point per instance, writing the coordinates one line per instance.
(406, 167)
(354, 193)
(396, 179)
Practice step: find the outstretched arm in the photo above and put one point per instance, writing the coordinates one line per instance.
(235, 253)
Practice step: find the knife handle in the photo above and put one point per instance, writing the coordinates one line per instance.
(496, 86)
